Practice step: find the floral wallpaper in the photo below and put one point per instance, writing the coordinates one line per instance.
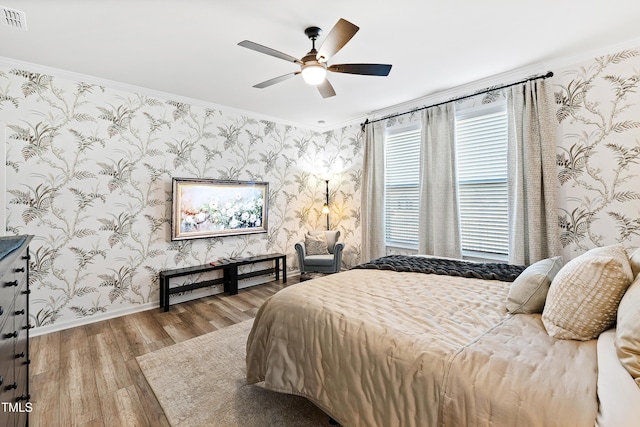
(598, 158)
(598, 109)
(88, 172)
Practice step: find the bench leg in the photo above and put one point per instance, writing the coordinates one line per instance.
(284, 269)
(164, 294)
(231, 279)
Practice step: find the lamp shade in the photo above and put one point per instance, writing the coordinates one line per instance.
(314, 73)
(325, 209)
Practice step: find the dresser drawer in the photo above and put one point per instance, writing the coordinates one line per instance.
(20, 310)
(19, 270)
(7, 357)
(7, 418)
(21, 326)
(5, 313)
(14, 275)
(14, 332)
(8, 287)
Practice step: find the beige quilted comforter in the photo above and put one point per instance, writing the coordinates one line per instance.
(382, 348)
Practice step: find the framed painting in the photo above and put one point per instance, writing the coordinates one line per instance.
(204, 208)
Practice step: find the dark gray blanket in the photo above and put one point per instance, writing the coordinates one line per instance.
(447, 267)
(9, 245)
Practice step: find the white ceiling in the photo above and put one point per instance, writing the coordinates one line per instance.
(189, 48)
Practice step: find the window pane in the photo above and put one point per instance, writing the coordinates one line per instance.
(402, 188)
(481, 144)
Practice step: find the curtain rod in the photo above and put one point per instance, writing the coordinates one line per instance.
(460, 98)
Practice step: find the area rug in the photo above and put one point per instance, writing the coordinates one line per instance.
(201, 382)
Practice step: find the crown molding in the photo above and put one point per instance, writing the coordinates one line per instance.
(432, 98)
(115, 85)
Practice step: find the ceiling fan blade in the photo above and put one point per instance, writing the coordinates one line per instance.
(363, 69)
(267, 50)
(339, 35)
(326, 90)
(275, 80)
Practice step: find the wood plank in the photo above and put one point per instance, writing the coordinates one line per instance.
(206, 310)
(94, 423)
(150, 405)
(161, 344)
(122, 408)
(109, 365)
(230, 311)
(129, 340)
(88, 376)
(73, 339)
(45, 393)
(79, 397)
(239, 304)
(150, 329)
(164, 318)
(47, 347)
(180, 332)
(198, 324)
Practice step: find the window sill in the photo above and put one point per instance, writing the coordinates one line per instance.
(484, 256)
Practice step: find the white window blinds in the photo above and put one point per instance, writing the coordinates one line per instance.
(481, 144)
(402, 187)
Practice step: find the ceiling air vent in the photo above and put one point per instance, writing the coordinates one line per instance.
(13, 18)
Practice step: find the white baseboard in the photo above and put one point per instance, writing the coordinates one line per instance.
(60, 326)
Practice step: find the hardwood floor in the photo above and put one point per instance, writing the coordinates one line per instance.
(88, 376)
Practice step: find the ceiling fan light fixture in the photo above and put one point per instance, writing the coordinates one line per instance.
(314, 73)
(313, 66)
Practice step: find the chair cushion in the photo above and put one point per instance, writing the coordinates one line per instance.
(315, 245)
(319, 260)
(331, 237)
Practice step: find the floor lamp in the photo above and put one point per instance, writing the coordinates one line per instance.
(325, 207)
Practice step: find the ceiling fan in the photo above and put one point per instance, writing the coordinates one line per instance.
(313, 66)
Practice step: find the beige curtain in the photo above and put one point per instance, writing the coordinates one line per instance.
(533, 228)
(439, 220)
(372, 207)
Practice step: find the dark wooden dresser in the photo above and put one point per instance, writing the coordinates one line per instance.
(14, 331)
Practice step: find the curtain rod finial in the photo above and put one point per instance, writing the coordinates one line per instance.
(366, 122)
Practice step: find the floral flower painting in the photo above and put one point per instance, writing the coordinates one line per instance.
(210, 208)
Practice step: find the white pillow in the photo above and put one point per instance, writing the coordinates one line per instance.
(583, 297)
(628, 330)
(528, 292)
(618, 395)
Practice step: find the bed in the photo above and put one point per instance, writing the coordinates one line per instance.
(381, 347)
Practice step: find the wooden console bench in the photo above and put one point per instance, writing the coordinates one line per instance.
(229, 277)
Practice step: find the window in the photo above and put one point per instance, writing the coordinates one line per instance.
(402, 187)
(481, 152)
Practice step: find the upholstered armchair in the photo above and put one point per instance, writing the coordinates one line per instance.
(320, 252)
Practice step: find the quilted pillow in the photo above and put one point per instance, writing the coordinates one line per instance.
(315, 245)
(528, 292)
(628, 332)
(583, 297)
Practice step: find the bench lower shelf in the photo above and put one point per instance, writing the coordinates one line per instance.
(229, 277)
